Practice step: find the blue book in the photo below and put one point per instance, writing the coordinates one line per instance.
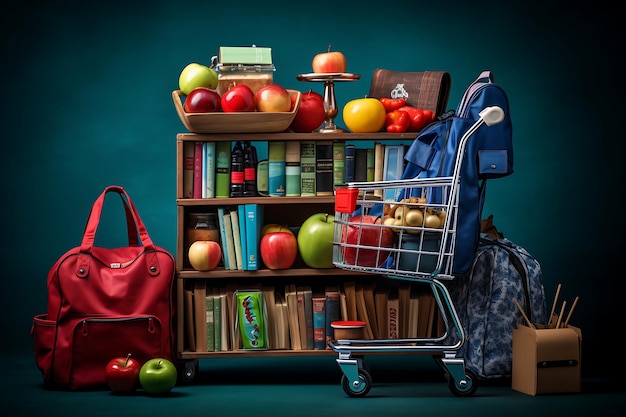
(254, 223)
(241, 211)
(220, 220)
(209, 170)
(393, 169)
(350, 152)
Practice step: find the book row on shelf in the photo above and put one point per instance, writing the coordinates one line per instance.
(293, 168)
(298, 316)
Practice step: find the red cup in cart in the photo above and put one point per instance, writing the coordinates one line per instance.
(345, 199)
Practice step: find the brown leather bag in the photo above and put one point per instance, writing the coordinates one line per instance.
(427, 90)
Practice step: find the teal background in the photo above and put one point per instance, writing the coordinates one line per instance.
(87, 103)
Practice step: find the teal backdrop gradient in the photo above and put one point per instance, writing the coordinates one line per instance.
(87, 103)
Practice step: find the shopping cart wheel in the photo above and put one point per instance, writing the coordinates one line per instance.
(465, 387)
(358, 388)
(188, 371)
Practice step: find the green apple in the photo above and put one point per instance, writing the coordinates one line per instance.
(158, 376)
(315, 240)
(197, 75)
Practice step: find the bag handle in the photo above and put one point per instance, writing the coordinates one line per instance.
(135, 228)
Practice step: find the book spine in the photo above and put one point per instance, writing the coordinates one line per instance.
(222, 169)
(393, 309)
(339, 163)
(307, 169)
(223, 240)
(204, 168)
(308, 314)
(234, 220)
(349, 163)
(241, 214)
(324, 168)
(333, 313)
(254, 223)
(210, 323)
(230, 246)
(393, 168)
(292, 168)
(217, 318)
(319, 323)
(209, 162)
(188, 163)
(370, 164)
(379, 158)
(199, 307)
(197, 170)
(276, 168)
(224, 321)
(360, 164)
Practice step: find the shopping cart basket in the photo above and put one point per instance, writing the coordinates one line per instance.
(405, 229)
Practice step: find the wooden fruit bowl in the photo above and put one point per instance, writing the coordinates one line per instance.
(235, 122)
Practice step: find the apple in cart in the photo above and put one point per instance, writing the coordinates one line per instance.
(278, 250)
(202, 100)
(366, 230)
(196, 75)
(238, 98)
(315, 240)
(273, 98)
(157, 376)
(204, 255)
(329, 62)
(311, 113)
(122, 374)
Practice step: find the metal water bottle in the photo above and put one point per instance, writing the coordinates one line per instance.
(236, 171)
(250, 165)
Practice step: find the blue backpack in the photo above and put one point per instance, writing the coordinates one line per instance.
(488, 154)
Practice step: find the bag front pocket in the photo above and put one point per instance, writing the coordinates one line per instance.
(97, 340)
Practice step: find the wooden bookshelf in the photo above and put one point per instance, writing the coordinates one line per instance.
(285, 210)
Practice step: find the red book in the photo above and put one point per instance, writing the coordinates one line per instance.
(197, 170)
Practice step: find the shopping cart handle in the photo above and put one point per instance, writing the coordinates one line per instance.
(492, 115)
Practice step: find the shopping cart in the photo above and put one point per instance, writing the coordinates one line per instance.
(405, 229)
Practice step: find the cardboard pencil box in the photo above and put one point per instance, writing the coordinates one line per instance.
(546, 360)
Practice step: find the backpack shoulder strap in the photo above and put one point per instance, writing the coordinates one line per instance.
(485, 77)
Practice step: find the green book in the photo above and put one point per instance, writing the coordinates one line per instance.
(210, 323)
(217, 328)
(339, 159)
(222, 169)
(370, 164)
(307, 168)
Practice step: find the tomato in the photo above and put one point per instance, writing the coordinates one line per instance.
(364, 115)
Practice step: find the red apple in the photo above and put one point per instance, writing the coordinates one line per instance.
(122, 374)
(275, 227)
(202, 100)
(204, 255)
(329, 62)
(278, 250)
(272, 98)
(238, 98)
(311, 113)
(366, 230)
